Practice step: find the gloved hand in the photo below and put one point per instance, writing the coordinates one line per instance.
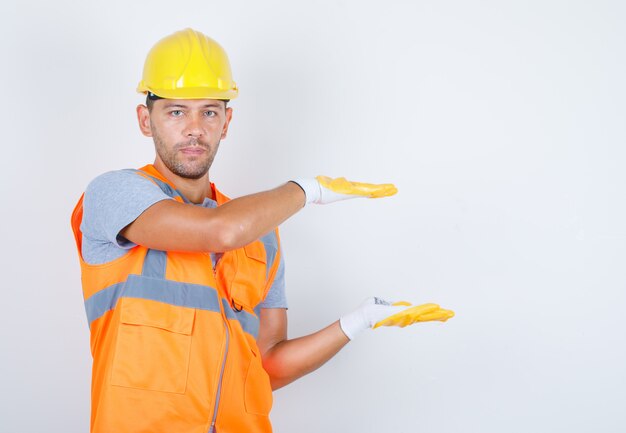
(375, 312)
(324, 190)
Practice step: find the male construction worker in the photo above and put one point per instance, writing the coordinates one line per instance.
(184, 288)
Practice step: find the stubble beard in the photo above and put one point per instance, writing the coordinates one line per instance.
(171, 158)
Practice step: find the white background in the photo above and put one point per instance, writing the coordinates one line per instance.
(502, 124)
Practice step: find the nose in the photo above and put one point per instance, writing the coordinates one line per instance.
(193, 127)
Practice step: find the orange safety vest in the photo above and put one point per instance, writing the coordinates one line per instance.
(174, 339)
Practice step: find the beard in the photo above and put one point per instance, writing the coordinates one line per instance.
(193, 168)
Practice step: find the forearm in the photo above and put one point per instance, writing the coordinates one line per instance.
(251, 216)
(172, 226)
(289, 360)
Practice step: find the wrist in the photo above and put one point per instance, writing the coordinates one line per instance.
(298, 188)
(311, 189)
(353, 324)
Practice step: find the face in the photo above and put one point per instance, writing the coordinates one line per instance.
(186, 133)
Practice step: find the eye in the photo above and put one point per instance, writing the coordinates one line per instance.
(176, 113)
(210, 113)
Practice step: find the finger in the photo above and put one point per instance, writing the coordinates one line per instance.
(342, 186)
(440, 315)
(402, 303)
(421, 309)
(407, 316)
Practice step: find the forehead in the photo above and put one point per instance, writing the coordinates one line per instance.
(190, 104)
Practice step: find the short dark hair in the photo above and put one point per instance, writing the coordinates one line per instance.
(151, 97)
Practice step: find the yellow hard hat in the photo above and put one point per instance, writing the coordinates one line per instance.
(188, 65)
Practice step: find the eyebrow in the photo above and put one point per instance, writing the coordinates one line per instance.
(211, 105)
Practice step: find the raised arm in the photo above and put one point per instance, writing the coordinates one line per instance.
(173, 226)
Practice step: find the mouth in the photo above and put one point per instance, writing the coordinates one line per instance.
(193, 150)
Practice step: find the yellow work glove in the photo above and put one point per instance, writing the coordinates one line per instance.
(414, 314)
(324, 190)
(375, 312)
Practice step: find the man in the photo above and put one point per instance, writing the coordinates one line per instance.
(184, 289)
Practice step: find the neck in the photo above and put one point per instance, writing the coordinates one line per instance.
(194, 190)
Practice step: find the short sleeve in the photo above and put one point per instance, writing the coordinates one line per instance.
(276, 296)
(112, 201)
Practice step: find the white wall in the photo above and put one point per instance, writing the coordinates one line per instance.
(502, 123)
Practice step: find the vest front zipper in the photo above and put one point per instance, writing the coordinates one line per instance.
(219, 382)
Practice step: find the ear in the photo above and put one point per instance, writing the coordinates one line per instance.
(143, 117)
(229, 117)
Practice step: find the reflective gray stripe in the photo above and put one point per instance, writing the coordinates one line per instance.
(165, 187)
(154, 264)
(270, 242)
(228, 311)
(172, 292)
(152, 284)
(155, 289)
(249, 322)
(103, 301)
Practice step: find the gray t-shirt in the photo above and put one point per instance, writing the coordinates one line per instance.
(115, 199)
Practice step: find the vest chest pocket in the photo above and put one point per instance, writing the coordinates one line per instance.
(248, 286)
(153, 346)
